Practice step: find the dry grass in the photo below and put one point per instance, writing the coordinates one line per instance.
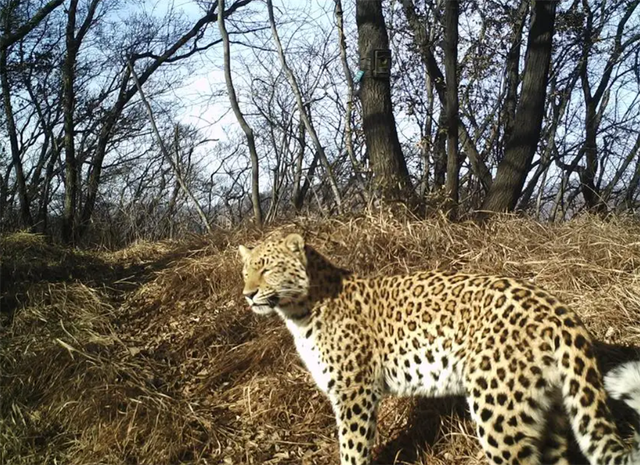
(148, 355)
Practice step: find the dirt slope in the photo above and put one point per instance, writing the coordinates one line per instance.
(149, 356)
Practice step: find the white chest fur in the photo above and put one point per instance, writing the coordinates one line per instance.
(310, 354)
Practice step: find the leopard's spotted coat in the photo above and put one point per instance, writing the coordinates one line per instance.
(521, 358)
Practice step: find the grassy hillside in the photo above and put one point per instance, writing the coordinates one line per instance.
(149, 355)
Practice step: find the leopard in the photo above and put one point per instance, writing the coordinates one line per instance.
(522, 359)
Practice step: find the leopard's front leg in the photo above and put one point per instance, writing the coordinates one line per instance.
(356, 415)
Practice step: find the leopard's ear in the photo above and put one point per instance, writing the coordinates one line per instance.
(245, 253)
(295, 243)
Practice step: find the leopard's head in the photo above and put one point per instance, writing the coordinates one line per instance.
(275, 276)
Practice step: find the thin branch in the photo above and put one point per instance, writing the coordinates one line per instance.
(301, 108)
(253, 154)
(166, 153)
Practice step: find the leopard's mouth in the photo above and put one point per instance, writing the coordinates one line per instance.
(261, 309)
(265, 306)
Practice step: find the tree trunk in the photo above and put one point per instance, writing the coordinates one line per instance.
(387, 161)
(521, 146)
(451, 13)
(49, 158)
(255, 167)
(302, 109)
(440, 152)
(424, 44)
(348, 131)
(426, 140)
(590, 191)
(513, 72)
(25, 211)
(297, 173)
(301, 188)
(4, 188)
(632, 189)
(43, 207)
(71, 166)
(593, 114)
(632, 155)
(298, 200)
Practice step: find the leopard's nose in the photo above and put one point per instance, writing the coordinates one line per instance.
(250, 294)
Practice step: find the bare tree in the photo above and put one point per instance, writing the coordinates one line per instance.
(126, 93)
(70, 120)
(10, 36)
(383, 146)
(167, 155)
(595, 101)
(16, 157)
(233, 99)
(302, 109)
(513, 72)
(348, 117)
(451, 13)
(73, 41)
(426, 49)
(521, 147)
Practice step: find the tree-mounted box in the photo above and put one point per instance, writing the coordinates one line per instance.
(378, 62)
(381, 61)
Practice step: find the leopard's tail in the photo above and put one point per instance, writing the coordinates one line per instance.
(623, 383)
(585, 399)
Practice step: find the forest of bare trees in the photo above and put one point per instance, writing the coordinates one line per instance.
(467, 107)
